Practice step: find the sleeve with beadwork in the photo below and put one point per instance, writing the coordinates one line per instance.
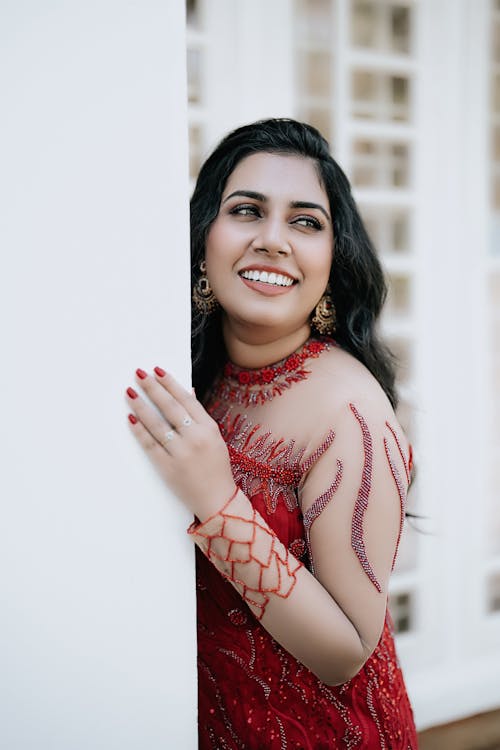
(353, 502)
(352, 498)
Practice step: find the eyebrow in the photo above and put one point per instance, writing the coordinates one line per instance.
(263, 199)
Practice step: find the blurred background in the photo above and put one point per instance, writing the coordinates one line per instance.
(408, 94)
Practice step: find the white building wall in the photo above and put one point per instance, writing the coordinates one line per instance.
(97, 628)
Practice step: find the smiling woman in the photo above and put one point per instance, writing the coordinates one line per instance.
(290, 455)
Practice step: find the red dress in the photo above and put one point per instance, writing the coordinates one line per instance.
(252, 693)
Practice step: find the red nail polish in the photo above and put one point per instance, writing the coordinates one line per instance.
(160, 372)
(131, 393)
(132, 419)
(141, 374)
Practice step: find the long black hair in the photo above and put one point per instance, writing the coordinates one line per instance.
(356, 277)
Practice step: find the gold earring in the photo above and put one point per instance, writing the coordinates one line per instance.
(325, 318)
(203, 296)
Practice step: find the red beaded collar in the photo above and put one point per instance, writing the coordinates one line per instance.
(250, 387)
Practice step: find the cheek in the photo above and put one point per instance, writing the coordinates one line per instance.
(319, 260)
(221, 243)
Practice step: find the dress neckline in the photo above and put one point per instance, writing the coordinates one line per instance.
(252, 386)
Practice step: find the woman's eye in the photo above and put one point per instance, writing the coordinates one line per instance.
(308, 221)
(246, 210)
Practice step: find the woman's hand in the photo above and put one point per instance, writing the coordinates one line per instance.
(183, 442)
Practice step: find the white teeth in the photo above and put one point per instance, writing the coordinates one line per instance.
(276, 279)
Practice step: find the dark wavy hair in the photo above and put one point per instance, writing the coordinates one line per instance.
(356, 278)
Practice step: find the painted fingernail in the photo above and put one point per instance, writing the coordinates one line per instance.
(131, 393)
(160, 372)
(141, 374)
(132, 419)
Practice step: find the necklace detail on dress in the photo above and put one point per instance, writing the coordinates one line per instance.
(251, 387)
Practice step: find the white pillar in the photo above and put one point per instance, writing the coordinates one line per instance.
(97, 626)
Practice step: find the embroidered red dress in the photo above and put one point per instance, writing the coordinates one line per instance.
(253, 694)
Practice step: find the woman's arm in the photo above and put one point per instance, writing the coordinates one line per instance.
(352, 503)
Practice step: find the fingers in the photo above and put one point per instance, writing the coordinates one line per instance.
(149, 420)
(177, 410)
(151, 446)
(186, 401)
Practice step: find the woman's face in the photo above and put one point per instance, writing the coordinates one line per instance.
(269, 250)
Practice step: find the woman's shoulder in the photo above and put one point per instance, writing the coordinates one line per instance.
(340, 381)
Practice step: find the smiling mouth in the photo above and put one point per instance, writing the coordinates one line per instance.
(271, 278)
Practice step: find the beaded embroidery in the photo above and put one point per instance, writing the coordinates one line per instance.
(361, 505)
(261, 464)
(242, 547)
(251, 387)
(318, 507)
(401, 493)
(407, 466)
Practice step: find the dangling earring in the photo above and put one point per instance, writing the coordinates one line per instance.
(325, 318)
(203, 295)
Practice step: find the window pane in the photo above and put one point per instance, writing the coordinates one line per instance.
(314, 73)
(399, 297)
(401, 607)
(399, 98)
(495, 42)
(366, 22)
(399, 166)
(495, 93)
(365, 95)
(400, 232)
(195, 149)
(400, 28)
(193, 13)
(194, 74)
(366, 170)
(319, 118)
(493, 593)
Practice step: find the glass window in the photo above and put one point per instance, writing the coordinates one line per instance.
(193, 13)
(399, 28)
(401, 607)
(314, 73)
(319, 117)
(493, 593)
(381, 25)
(366, 23)
(194, 75)
(380, 164)
(195, 149)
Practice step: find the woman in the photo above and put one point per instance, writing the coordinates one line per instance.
(289, 455)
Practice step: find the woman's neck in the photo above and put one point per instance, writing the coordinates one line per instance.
(254, 349)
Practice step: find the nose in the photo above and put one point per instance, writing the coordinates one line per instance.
(272, 238)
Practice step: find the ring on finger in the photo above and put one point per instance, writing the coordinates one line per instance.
(187, 421)
(168, 437)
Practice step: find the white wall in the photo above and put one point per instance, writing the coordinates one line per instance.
(97, 624)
